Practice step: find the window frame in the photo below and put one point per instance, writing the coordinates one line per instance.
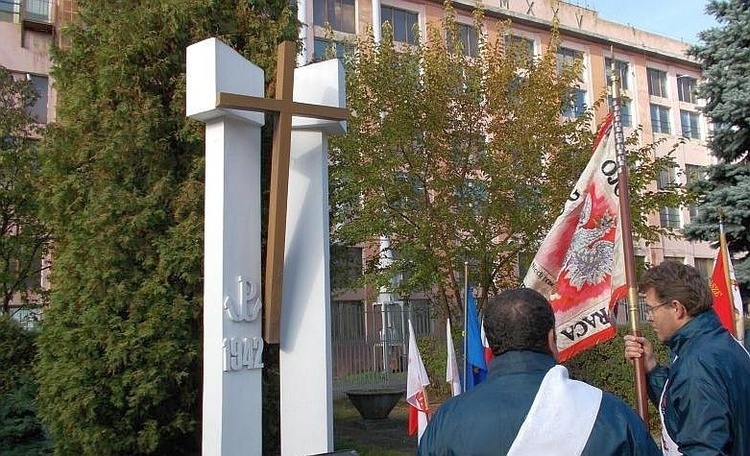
(658, 123)
(622, 67)
(657, 82)
(408, 30)
(469, 40)
(686, 86)
(577, 105)
(341, 10)
(693, 122)
(567, 55)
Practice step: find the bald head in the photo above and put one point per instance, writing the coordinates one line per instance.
(518, 319)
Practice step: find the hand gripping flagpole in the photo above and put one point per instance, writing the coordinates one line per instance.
(627, 241)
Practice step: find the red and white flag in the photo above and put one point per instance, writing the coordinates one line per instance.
(488, 355)
(416, 396)
(452, 375)
(579, 266)
(727, 303)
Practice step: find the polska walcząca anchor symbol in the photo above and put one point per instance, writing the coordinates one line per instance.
(247, 307)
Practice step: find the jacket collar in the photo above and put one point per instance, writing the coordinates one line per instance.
(703, 323)
(517, 361)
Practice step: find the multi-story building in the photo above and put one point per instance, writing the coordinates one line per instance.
(27, 31)
(657, 78)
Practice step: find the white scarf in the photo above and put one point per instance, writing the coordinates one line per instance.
(560, 419)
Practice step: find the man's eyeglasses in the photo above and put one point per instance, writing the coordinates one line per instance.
(650, 309)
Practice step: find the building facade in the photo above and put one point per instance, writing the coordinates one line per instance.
(27, 31)
(657, 78)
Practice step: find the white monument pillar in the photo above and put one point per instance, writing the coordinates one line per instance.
(232, 343)
(305, 342)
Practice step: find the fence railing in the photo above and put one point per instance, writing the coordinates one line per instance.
(370, 342)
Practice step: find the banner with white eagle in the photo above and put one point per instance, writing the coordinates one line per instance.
(579, 266)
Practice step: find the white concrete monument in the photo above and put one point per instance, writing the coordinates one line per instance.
(221, 88)
(232, 343)
(305, 356)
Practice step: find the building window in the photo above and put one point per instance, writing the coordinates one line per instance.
(467, 36)
(403, 23)
(669, 216)
(346, 265)
(41, 86)
(657, 82)
(690, 125)
(322, 46)
(622, 70)
(575, 105)
(674, 259)
(694, 173)
(625, 111)
(473, 194)
(521, 45)
(704, 266)
(37, 10)
(408, 192)
(9, 10)
(686, 88)
(338, 13)
(567, 57)
(660, 119)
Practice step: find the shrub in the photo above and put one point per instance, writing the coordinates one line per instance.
(605, 366)
(434, 354)
(21, 433)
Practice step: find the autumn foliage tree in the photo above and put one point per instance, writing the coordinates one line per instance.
(460, 158)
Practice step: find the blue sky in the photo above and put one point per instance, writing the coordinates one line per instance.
(678, 19)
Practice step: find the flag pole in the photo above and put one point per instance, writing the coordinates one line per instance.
(466, 323)
(627, 241)
(736, 322)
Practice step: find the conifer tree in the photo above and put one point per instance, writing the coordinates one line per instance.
(120, 353)
(726, 88)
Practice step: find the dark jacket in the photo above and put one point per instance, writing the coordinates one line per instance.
(485, 420)
(707, 403)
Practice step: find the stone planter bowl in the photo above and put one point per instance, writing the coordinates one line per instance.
(375, 404)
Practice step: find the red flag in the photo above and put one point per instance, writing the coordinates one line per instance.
(416, 396)
(579, 266)
(722, 297)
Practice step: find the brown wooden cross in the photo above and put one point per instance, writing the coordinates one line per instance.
(283, 107)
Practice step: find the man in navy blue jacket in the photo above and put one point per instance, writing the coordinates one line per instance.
(528, 405)
(703, 396)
